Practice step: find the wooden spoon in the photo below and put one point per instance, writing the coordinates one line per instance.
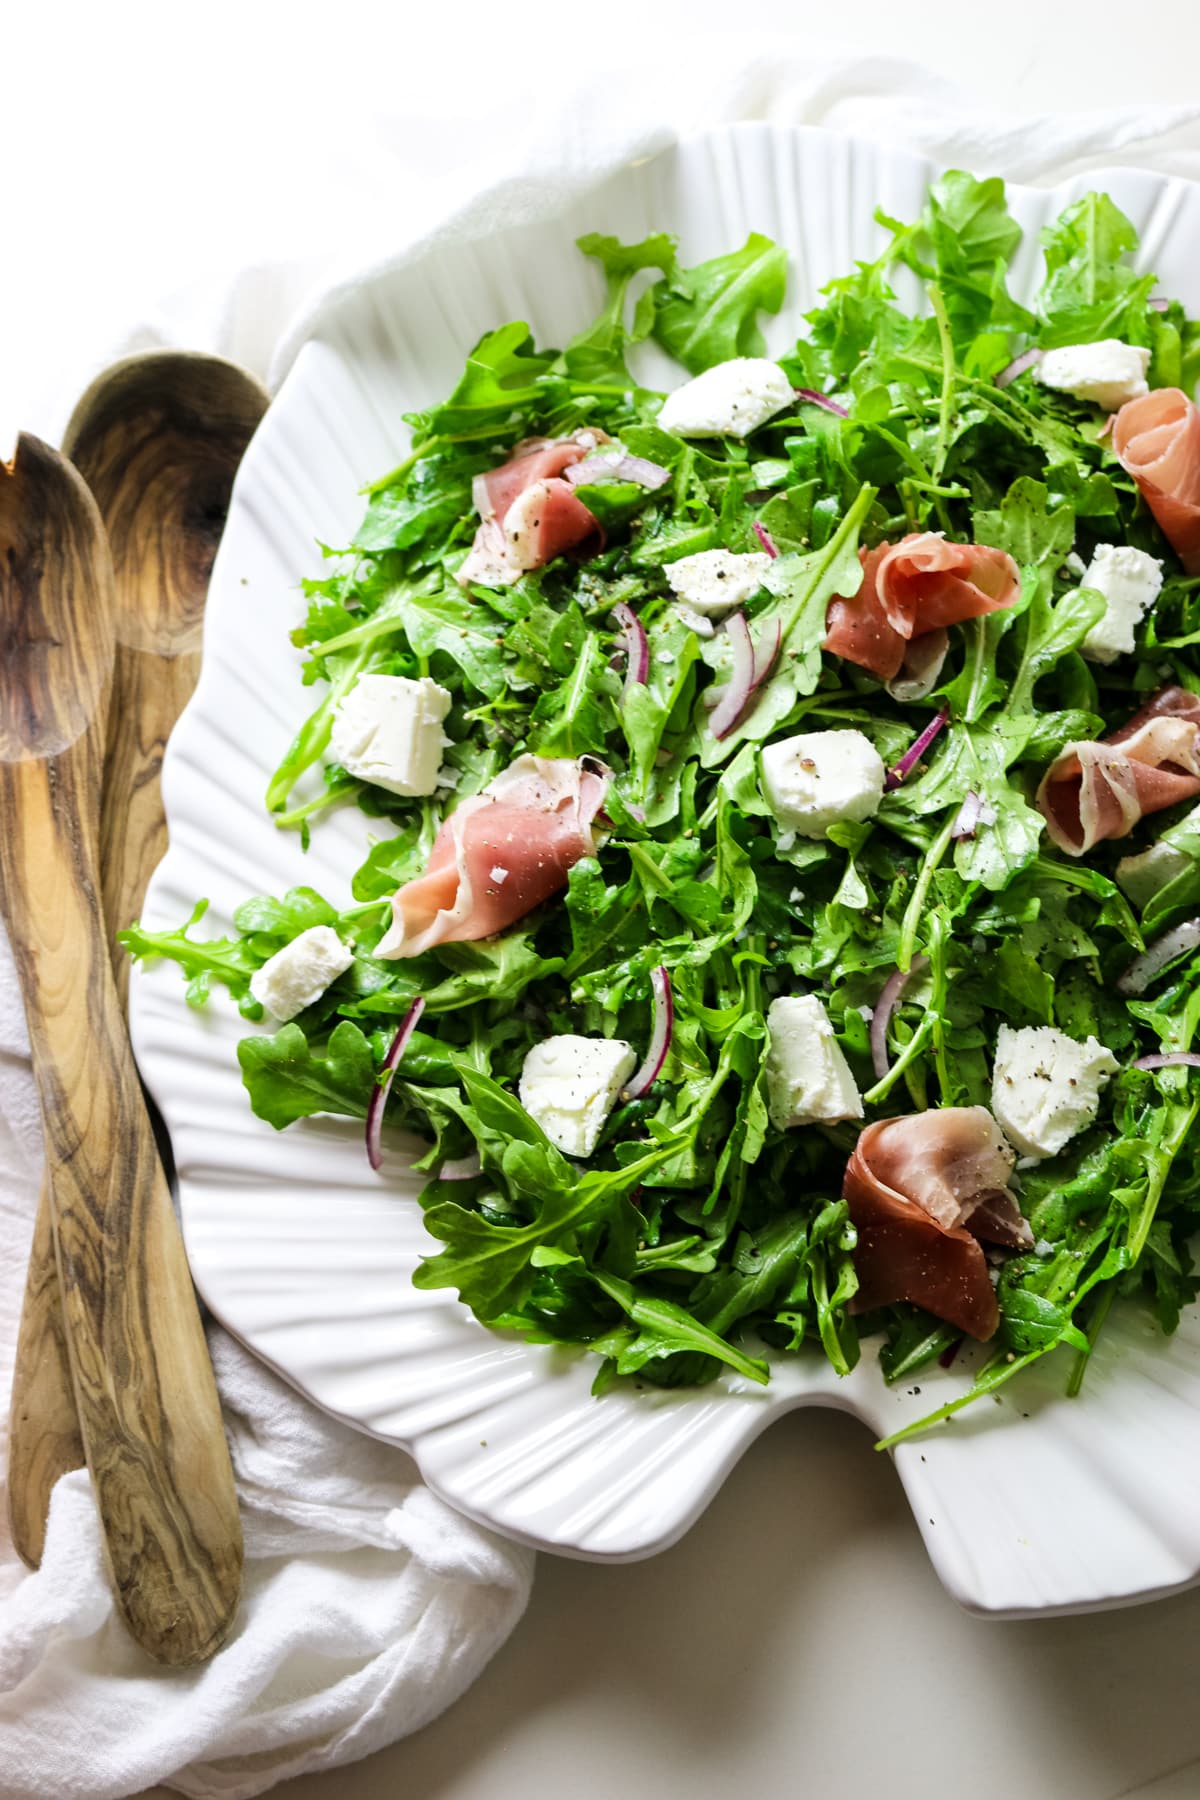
(158, 438)
(144, 1388)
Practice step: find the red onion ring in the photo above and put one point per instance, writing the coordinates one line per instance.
(885, 1006)
(391, 1063)
(1173, 1059)
(974, 812)
(912, 756)
(617, 467)
(750, 669)
(635, 644)
(765, 539)
(660, 1034)
(1156, 956)
(1158, 304)
(814, 399)
(1018, 366)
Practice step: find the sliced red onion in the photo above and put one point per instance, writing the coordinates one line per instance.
(391, 1063)
(814, 399)
(974, 812)
(885, 1006)
(765, 660)
(1158, 304)
(916, 750)
(660, 1034)
(1156, 956)
(765, 539)
(617, 466)
(1173, 1059)
(750, 669)
(950, 1352)
(635, 644)
(1018, 366)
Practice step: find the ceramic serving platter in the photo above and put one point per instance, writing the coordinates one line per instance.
(1031, 1503)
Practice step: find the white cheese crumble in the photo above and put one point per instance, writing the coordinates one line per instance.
(569, 1085)
(388, 730)
(730, 400)
(714, 581)
(1046, 1086)
(818, 777)
(499, 875)
(299, 973)
(1108, 373)
(1130, 581)
(808, 1078)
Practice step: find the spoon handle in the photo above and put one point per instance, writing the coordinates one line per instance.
(149, 693)
(43, 1433)
(144, 1386)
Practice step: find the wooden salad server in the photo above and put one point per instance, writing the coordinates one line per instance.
(158, 437)
(144, 1389)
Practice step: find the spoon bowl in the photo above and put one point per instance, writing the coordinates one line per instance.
(158, 438)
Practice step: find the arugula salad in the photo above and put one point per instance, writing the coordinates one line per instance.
(782, 917)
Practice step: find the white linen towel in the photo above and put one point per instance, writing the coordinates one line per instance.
(369, 1606)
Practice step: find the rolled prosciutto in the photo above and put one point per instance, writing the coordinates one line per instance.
(1157, 440)
(1100, 790)
(502, 853)
(528, 512)
(910, 592)
(923, 1191)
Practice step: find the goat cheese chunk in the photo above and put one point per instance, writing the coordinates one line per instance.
(570, 1084)
(1131, 582)
(714, 581)
(818, 777)
(808, 1078)
(1046, 1086)
(732, 399)
(1108, 373)
(299, 973)
(388, 731)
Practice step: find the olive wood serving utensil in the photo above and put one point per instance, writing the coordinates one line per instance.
(158, 437)
(144, 1388)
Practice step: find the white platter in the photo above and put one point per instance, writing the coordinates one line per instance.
(1032, 1504)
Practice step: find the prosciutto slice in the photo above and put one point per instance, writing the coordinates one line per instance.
(922, 1191)
(1093, 791)
(528, 512)
(910, 592)
(502, 853)
(1157, 440)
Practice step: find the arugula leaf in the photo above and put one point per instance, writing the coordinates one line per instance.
(572, 718)
(500, 378)
(1090, 291)
(598, 353)
(231, 961)
(665, 1329)
(287, 1079)
(709, 314)
(971, 237)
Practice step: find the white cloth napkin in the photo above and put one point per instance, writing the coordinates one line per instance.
(369, 1605)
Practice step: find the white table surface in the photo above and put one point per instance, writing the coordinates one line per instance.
(797, 1641)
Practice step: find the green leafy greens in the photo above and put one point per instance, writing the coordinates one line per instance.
(699, 1237)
